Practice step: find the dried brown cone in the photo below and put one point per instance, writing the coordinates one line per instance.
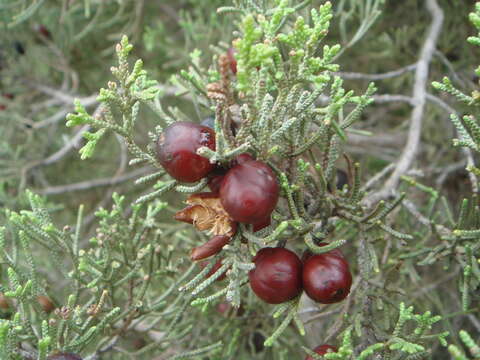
(206, 213)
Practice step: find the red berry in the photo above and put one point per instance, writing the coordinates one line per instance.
(277, 276)
(326, 278)
(249, 192)
(231, 58)
(215, 268)
(177, 151)
(322, 350)
(64, 356)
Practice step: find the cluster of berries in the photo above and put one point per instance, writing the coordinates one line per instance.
(280, 275)
(245, 192)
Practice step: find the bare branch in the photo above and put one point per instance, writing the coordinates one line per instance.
(372, 77)
(89, 184)
(419, 99)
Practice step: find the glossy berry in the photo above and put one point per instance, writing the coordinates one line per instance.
(326, 278)
(64, 356)
(277, 276)
(322, 350)
(249, 192)
(177, 151)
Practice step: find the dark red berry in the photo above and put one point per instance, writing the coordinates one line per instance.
(322, 350)
(215, 268)
(177, 151)
(249, 192)
(326, 278)
(277, 276)
(231, 58)
(64, 356)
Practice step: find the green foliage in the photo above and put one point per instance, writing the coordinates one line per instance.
(472, 347)
(288, 106)
(123, 261)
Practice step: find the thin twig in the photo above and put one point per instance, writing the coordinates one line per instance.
(89, 184)
(372, 77)
(419, 99)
